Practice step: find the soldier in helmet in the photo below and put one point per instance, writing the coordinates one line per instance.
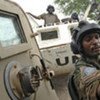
(49, 18)
(86, 76)
(74, 17)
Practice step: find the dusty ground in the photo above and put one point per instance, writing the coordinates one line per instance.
(60, 85)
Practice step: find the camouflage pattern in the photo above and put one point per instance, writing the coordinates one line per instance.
(87, 79)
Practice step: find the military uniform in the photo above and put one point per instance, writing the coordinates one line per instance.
(87, 79)
(49, 18)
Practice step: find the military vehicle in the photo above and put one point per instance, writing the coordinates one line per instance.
(54, 44)
(23, 74)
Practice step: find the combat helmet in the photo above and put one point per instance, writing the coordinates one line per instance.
(74, 16)
(50, 6)
(83, 29)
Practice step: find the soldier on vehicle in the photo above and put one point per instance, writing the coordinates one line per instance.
(49, 18)
(86, 76)
(74, 17)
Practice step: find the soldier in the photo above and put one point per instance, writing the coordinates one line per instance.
(74, 17)
(86, 76)
(49, 18)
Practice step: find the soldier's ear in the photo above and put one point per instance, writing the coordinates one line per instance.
(74, 47)
(73, 44)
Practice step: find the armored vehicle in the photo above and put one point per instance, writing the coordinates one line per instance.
(23, 73)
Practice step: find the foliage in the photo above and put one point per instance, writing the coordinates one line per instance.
(69, 6)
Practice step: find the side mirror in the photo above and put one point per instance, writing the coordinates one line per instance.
(21, 82)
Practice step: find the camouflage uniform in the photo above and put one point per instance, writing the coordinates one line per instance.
(87, 79)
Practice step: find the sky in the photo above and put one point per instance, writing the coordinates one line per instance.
(37, 7)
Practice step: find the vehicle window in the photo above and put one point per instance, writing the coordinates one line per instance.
(49, 35)
(10, 31)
